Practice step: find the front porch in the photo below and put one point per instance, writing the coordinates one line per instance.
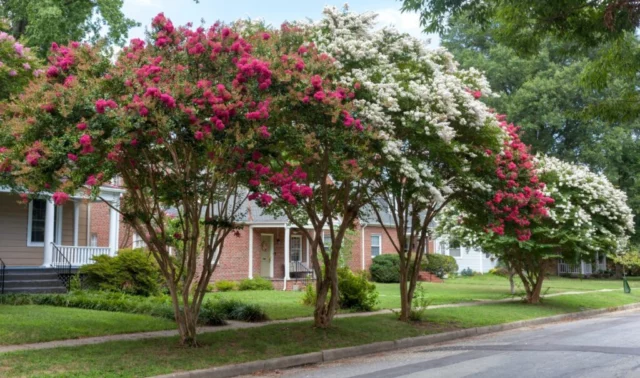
(583, 267)
(281, 253)
(43, 234)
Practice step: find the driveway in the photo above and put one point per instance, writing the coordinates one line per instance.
(606, 346)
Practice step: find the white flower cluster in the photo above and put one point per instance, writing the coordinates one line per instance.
(588, 202)
(406, 85)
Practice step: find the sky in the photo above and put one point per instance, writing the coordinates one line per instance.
(274, 12)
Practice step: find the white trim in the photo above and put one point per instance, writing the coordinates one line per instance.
(308, 252)
(250, 251)
(29, 225)
(287, 255)
(76, 222)
(89, 223)
(379, 244)
(58, 226)
(364, 225)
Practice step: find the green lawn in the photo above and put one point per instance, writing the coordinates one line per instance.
(164, 355)
(30, 324)
(286, 305)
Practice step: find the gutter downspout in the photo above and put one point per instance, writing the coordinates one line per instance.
(364, 225)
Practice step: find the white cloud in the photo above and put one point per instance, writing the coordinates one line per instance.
(407, 23)
(145, 3)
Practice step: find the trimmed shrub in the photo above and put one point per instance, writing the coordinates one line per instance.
(386, 268)
(499, 271)
(236, 310)
(257, 283)
(132, 271)
(440, 265)
(468, 272)
(225, 285)
(356, 292)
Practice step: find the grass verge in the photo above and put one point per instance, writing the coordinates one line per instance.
(31, 324)
(164, 355)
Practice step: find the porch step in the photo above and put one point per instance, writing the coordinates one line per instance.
(32, 280)
(428, 277)
(36, 290)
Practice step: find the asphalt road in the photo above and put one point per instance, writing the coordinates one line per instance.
(606, 346)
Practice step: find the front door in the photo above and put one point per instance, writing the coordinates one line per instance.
(266, 254)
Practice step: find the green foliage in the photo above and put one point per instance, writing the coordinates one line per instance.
(630, 262)
(523, 24)
(237, 310)
(258, 283)
(440, 265)
(386, 268)
(499, 271)
(132, 271)
(42, 22)
(225, 285)
(310, 296)
(356, 292)
(419, 304)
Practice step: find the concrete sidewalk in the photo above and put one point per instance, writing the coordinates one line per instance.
(243, 325)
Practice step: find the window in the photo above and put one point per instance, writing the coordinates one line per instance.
(454, 249)
(94, 239)
(326, 239)
(376, 241)
(295, 248)
(37, 219)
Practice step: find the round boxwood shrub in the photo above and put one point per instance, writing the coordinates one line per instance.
(386, 268)
(355, 290)
(439, 264)
(132, 271)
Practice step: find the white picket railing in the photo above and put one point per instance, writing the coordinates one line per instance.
(578, 268)
(78, 256)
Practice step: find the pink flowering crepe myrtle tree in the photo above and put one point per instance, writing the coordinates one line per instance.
(315, 164)
(502, 220)
(181, 120)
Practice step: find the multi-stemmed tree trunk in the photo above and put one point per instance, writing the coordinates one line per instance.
(411, 220)
(531, 269)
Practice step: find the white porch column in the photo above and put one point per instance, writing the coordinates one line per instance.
(250, 251)
(49, 228)
(113, 228)
(287, 237)
(76, 222)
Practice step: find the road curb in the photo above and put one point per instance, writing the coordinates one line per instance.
(383, 346)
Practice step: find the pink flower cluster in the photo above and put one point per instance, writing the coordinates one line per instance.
(60, 198)
(35, 154)
(85, 142)
(102, 105)
(520, 199)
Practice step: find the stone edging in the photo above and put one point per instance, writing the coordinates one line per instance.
(384, 346)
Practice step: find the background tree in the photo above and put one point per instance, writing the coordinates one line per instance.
(434, 130)
(41, 22)
(609, 26)
(558, 115)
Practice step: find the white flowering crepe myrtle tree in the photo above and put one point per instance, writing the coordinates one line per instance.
(588, 215)
(435, 131)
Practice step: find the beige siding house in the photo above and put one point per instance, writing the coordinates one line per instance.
(41, 234)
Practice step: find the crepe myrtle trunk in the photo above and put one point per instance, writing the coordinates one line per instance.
(531, 271)
(325, 265)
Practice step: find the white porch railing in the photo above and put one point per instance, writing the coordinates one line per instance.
(577, 268)
(78, 256)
